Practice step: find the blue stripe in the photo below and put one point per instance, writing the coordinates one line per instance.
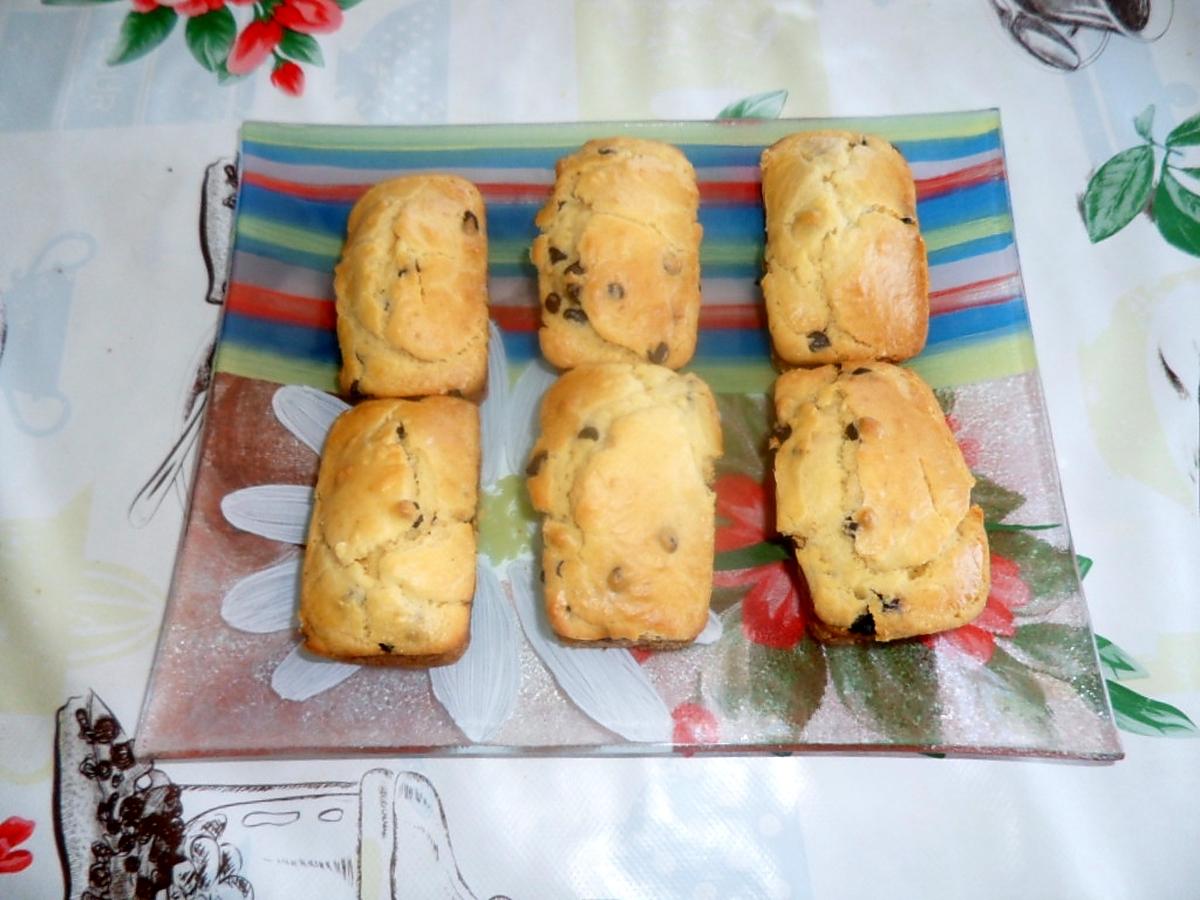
(949, 148)
(963, 205)
(971, 248)
(316, 344)
(979, 321)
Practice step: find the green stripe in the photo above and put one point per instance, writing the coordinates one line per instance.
(741, 133)
(747, 376)
(979, 361)
(304, 239)
(952, 235)
(249, 363)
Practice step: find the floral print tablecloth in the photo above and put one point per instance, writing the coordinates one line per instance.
(119, 125)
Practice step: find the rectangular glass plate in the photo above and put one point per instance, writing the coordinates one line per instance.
(1023, 679)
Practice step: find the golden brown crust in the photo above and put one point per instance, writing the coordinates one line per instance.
(621, 474)
(873, 489)
(389, 571)
(846, 274)
(618, 256)
(412, 289)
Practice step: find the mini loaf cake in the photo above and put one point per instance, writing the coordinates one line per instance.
(621, 474)
(846, 275)
(618, 257)
(389, 572)
(412, 290)
(873, 490)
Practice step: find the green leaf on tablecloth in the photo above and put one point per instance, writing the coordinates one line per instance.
(301, 47)
(210, 37)
(749, 557)
(750, 682)
(1005, 526)
(1139, 714)
(1145, 122)
(893, 688)
(1194, 171)
(997, 501)
(1048, 570)
(767, 105)
(1118, 191)
(141, 33)
(1084, 563)
(1116, 663)
(1186, 133)
(346, 4)
(744, 420)
(224, 76)
(1012, 691)
(1062, 651)
(1177, 214)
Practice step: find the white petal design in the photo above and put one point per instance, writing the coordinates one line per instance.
(522, 419)
(712, 631)
(278, 512)
(307, 413)
(480, 690)
(301, 675)
(493, 419)
(264, 601)
(608, 685)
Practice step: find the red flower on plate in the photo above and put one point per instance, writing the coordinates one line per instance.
(289, 78)
(253, 46)
(969, 446)
(978, 639)
(13, 831)
(694, 725)
(773, 607)
(309, 16)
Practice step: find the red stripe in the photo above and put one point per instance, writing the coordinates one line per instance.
(515, 318)
(263, 303)
(977, 293)
(972, 175)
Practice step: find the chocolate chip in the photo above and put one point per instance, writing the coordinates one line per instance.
(535, 464)
(817, 340)
(616, 291)
(782, 432)
(553, 302)
(573, 293)
(354, 389)
(400, 432)
(851, 432)
(605, 151)
(470, 223)
(401, 273)
(574, 269)
(558, 568)
(891, 605)
(386, 648)
(659, 353)
(671, 264)
(616, 579)
(575, 314)
(588, 433)
(863, 142)
(908, 221)
(849, 526)
(861, 370)
(556, 255)
(864, 625)
(418, 520)
(669, 541)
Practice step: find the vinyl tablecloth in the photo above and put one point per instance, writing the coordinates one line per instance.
(110, 115)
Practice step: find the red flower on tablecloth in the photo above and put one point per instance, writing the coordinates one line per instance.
(694, 725)
(289, 78)
(256, 42)
(14, 831)
(193, 8)
(309, 16)
(772, 607)
(978, 639)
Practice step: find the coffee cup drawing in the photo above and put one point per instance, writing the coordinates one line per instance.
(1069, 34)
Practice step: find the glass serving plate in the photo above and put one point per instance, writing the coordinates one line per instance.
(229, 679)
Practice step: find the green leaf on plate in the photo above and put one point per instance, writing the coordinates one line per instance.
(750, 682)
(1186, 133)
(1145, 122)
(1062, 651)
(1116, 662)
(141, 33)
(1004, 526)
(748, 557)
(1118, 192)
(210, 37)
(1084, 563)
(1014, 694)
(301, 47)
(744, 424)
(1177, 214)
(1140, 715)
(767, 105)
(892, 687)
(945, 398)
(997, 501)
(1048, 570)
